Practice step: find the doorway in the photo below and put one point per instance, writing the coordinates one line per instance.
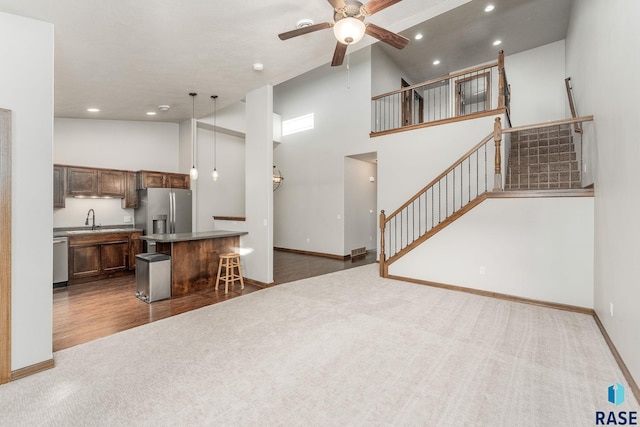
(412, 105)
(360, 202)
(472, 94)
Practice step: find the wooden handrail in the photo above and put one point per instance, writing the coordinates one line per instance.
(439, 79)
(551, 123)
(439, 177)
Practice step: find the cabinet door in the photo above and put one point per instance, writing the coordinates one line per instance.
(114, 256)
(130, 200)
(84, 261)
(135, 248)
(178, 180)
(111, 183)
(148, 179)
(59, 189)
(82, 182)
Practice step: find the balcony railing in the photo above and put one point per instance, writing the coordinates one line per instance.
(456, 96)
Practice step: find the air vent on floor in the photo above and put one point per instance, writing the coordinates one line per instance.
(358, 252)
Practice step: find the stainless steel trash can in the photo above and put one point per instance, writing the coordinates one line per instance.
(153, 277)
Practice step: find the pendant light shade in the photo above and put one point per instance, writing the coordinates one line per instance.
(214, 174)
(194, 171)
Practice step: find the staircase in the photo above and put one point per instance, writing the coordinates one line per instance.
(543, 158)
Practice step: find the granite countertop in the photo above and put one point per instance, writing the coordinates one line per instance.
(84, 231)
(200, 235)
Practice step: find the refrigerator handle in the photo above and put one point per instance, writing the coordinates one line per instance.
(173, 212)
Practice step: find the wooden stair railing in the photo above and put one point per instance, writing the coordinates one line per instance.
(451, 194)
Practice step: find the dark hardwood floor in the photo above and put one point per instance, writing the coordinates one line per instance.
(93, 310)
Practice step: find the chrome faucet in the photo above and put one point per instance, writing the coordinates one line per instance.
(93, 219)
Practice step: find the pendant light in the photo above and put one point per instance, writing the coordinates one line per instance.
(214, 174)
(193, 172)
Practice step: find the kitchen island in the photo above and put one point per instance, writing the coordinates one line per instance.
(194, 257)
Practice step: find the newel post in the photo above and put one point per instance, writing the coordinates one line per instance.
(501, 79)
(497, 137)
(383, 218)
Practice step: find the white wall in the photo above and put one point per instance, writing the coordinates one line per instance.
(111, 144)
(531, 248)
(309, 206)
(408, 161)
(259, 188)
(225, 197)
(360, 204)
(602, 44)
(26, 88)
(385, 72)
(536, 77)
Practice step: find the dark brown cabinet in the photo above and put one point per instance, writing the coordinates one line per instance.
(79, 181)
(135, 248)
(111, 183)
(150, 179)
(130, 200)
(59, 187)
(95, 182)
(114, 256)
(179, 180)
(82, 182)
(153, 179)
(84, 261)
(102, 255)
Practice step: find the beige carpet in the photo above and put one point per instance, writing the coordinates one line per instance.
(348, 348)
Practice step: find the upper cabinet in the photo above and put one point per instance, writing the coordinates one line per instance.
(130, 200)
(82, 181)
(95, 182)
(59, 187)
(153, 179)
(79, 181)
(179, 180)
(111, 183)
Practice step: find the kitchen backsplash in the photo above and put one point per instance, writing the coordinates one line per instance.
(74, 214)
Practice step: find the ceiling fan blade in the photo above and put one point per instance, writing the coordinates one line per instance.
(305, 30)
(338, 54)
(392, 39)
(377, 5)
(337, 4)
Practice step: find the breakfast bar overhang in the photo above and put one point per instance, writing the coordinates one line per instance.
(194, 257)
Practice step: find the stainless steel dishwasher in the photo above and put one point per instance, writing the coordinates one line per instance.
(60, 264)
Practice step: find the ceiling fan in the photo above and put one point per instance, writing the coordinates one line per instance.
(349, 27)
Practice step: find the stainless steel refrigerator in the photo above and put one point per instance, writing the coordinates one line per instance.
(163, 211)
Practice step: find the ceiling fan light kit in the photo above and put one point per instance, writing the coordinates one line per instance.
(349, 30)
(349, 26)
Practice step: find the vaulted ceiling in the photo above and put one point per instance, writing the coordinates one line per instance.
(128, 58)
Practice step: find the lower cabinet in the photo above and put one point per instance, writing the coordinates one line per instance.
(97, 256)
(135, 248)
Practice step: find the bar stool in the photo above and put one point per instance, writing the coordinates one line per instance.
(230, 262)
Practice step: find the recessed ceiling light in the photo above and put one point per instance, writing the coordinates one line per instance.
(489, 8)
(436, 62)
(93, 110)
(163, 107)
(497, 42)
(258, 66)
(151, 113)
(418, 36)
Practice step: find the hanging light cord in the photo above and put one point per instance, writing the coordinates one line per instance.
(215, 174)
(193, 117)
